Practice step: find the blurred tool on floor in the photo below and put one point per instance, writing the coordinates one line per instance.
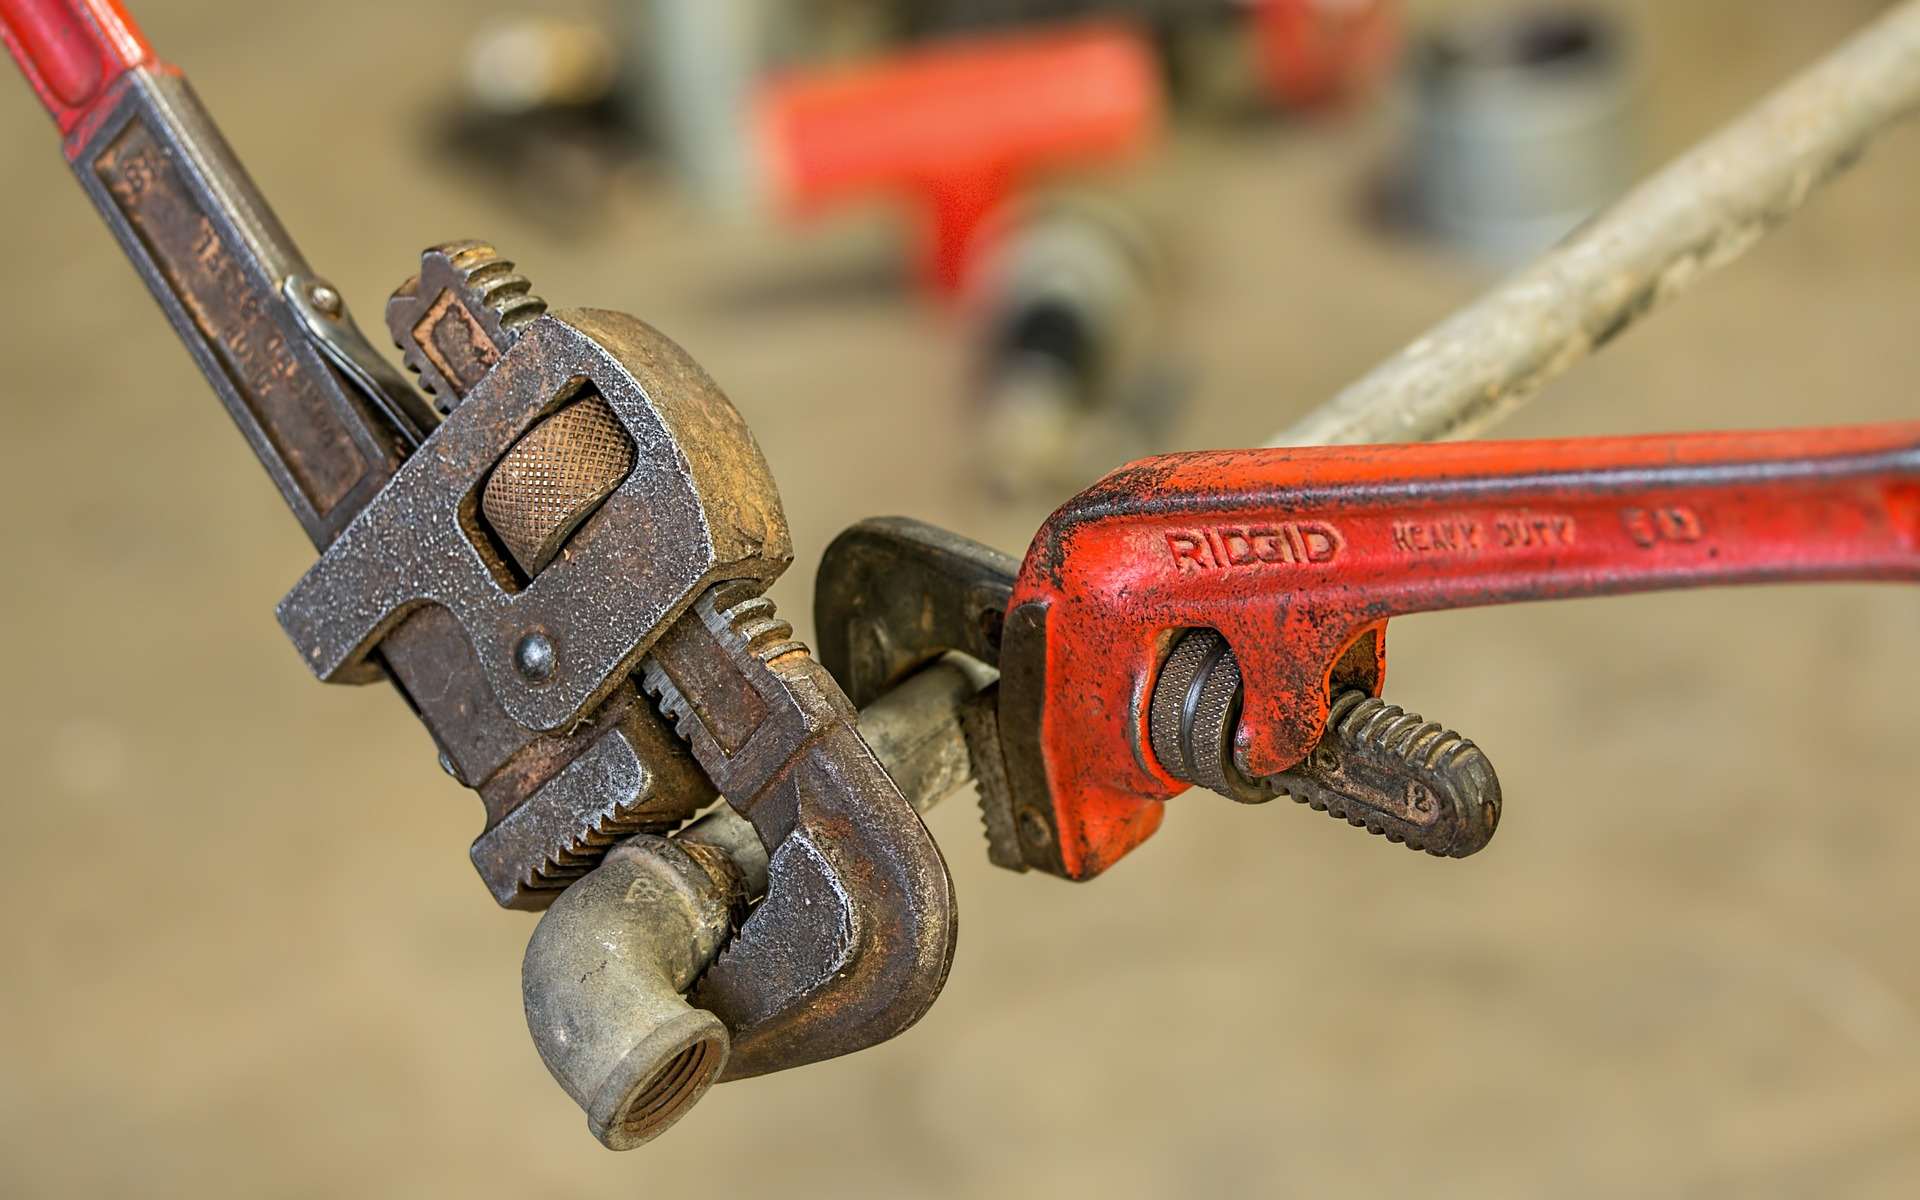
(538, 122)
(1073, 370)
(1224, 54)
(957, 132)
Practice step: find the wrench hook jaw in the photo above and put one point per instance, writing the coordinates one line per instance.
(854, 939)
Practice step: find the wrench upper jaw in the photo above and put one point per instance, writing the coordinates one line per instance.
(854, 940)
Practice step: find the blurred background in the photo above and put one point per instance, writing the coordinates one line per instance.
(245, 953)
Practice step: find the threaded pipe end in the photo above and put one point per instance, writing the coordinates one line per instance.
(659, 1081)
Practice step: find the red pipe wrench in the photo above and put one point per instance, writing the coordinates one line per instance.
(1219, 618)
(1298, 558)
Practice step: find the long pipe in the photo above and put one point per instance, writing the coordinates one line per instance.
(1701, 212)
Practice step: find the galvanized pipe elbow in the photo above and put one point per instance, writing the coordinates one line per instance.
(607, 969)
(605, 977)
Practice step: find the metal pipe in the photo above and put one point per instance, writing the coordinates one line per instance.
(1701, 212)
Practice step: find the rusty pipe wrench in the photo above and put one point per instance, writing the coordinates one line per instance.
(1220, 618)
(588, 504)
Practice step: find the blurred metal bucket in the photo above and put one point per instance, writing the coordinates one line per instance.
(1521, 127)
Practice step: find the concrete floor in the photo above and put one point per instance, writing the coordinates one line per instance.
(246, 955)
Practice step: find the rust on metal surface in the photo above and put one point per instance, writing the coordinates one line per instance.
(700, 486)
(454, 319)
(234, 314)
(893, 593)
(854, 940)
(521, 663)
(451, 339)
(1397, 775)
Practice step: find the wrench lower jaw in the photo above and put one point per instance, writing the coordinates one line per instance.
(855, 938)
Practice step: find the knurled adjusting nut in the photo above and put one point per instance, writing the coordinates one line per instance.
(1194, 715)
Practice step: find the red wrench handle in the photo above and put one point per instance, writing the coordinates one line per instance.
(1297, 556)
(72, 52)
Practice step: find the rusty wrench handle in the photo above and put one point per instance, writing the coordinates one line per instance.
(1297, 556)
(210, 250)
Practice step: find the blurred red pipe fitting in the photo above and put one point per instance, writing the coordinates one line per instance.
(958, 129)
